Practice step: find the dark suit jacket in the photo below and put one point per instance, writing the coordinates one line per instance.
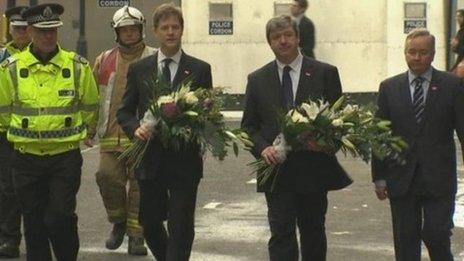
(178, 169)
(431, 142)
(307, 38)
(302, 171)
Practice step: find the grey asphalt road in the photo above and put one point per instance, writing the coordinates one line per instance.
(231, 219)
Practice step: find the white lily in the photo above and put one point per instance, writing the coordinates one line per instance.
(337, 122)
(191, 113)
(165, 99)
(298, 117)
(312, 110)
(190, 98)
(180, 94)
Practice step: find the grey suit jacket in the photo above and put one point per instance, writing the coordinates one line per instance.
(431, 142)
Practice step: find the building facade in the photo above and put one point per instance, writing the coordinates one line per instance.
(363, 38)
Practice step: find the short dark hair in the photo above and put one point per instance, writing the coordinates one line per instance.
(461, 12)
(166, 10)
(279, 23)
(302, 3)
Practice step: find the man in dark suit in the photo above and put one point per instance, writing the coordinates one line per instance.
(168, 179)
(425, 107)
(300, 192)
(305, 27)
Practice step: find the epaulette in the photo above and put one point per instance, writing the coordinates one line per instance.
(8, 61)
(80, 59)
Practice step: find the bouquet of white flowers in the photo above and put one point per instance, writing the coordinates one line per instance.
(188, 117)
(317, 126)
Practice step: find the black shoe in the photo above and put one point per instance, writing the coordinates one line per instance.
(136, 247)
(116, 236)
(9, 251)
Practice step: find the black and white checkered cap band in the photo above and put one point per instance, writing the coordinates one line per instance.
(40, 18)
(17, 20)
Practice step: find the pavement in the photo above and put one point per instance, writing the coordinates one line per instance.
(231, 222)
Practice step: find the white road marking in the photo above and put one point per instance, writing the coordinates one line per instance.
(212, 205)
(195, 256)
(232, 115)
(252, 181)
(341, 233)
(459, 209)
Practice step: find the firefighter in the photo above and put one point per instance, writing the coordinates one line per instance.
(10, 214)
(121, 201)
(48, 98)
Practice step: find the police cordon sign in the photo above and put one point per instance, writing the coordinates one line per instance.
(410, 25)
(221, 27)
(113, 3)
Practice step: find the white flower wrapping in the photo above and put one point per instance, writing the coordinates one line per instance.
(281, 147)
(149, 121)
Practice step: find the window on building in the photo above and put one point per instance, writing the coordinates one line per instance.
(281, 9)
(220, 12)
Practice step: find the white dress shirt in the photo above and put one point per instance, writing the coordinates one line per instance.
(173, 66)
(294, 72)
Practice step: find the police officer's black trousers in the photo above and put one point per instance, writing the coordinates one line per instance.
(46, 187)
(10, 215)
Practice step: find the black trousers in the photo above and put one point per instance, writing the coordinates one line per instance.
(421, 217)
(288, 209)
(158, 202)
(10, 214)
(46, 187)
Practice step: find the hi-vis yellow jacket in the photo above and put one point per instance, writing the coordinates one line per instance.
(8, 51)
(46, 108)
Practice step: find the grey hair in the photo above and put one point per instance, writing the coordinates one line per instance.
(279, 23)
(418, 32)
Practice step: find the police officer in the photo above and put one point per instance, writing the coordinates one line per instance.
(18, 32)
(10, 215)
(52, 97)
(118, 186)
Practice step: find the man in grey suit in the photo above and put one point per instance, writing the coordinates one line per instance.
(425, 107)
(299, 196)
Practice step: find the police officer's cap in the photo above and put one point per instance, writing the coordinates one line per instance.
(44, 16)
(14, 15)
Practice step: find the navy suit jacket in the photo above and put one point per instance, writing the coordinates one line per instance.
(177, 169)
(307, 36)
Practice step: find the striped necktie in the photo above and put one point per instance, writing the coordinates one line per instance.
(418, 99)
